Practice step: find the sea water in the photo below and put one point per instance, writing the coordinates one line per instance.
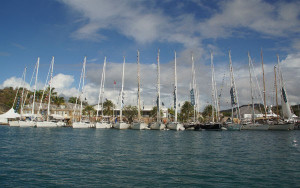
(64, 157)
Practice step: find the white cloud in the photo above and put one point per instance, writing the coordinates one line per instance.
(14, 82)
(142, 21)
(276, 19)
(61, 81)
(147, 22)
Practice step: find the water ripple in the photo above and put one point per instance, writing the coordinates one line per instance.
(112, 158)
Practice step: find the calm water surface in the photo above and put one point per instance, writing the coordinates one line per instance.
(64, 157)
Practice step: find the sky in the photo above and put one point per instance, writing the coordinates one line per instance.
(69, 30)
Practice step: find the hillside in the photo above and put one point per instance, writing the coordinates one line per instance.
(7, 96)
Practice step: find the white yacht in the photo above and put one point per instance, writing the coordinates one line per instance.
(121, 124)
(253, 125)
(158, 125)
(104, 123)
(81, 123)
(175, 125)
(139, 125)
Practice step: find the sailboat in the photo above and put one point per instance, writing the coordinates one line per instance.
(175, 125)
(213, 125)
(288, 123)
(104, 124)
(235, 122)
(48, 123)
(139, 125)
(30, 120)
(158, 125)
(121, 124)
(193, 124)
(253, 125)
(81, 123)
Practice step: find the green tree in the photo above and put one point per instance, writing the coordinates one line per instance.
(89, 110)
(171, 112)
(187, 111)
(207, 112)
(58, 100)
(38, 95)
(153, 112)
(108, 107)
(130, 112)
(73, 100)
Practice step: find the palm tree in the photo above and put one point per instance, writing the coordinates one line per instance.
(153, 112)
(73, 100)
(89, 110)
(58, 100)
(207, 112)
(187, 110)
(171, 112)
(108, 107)
(130, 112)
(38, 95)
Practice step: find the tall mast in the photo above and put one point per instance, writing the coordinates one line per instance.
(50, 88)
(175, 89)
(212, 87)
(103, 88)
(22, 97)
(193, 87)
(100, 90)
(158, 88)
(253, 120)
(122, 102)
(113, 104)
(216, 94)
(36, 76)
(78, 93)
(234, 90)
(263, 71)
(138, 79)
(277, 110)
(83, 77)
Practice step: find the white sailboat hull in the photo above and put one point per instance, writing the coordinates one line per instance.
(103, 125)
(139, 126)
(157, 126)
(61, 124)
(121, 125)
(175, 126)
(27, 123)
(46, 124)
(282, 127)
(82, 125)
(14, 123)
(256, 127)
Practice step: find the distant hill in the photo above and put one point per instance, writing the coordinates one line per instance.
(7, 96)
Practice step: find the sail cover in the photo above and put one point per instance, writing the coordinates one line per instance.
(192, 97)
(233, 100)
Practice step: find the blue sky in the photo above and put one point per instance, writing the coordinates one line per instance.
(72, 29)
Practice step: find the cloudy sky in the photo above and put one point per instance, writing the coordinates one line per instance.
(72, 29)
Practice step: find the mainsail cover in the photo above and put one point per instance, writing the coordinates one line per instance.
(192, 97)
(233, 98)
